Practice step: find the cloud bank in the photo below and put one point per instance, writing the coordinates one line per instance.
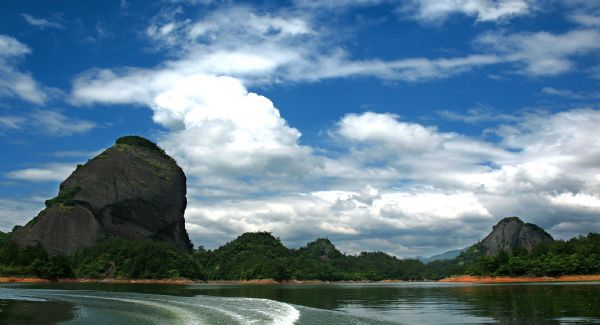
(381, 182)
(385, 180)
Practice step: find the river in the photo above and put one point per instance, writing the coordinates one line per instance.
(389, 303)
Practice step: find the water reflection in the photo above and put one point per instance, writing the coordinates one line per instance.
(412, 302)
(34, 312)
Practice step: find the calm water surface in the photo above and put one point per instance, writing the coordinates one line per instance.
(403, 303)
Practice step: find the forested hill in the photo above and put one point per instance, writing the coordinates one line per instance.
(250, 256)
(262, 256)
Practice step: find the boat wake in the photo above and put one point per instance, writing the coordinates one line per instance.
(99, 307)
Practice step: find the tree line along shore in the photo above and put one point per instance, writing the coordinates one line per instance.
(256, 258)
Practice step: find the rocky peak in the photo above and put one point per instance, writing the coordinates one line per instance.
(511, 233)
(132, 190)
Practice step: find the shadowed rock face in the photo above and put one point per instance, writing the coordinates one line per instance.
(132, 190)
(511, 233)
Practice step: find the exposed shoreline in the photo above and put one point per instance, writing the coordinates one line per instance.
(179, 281)
(509, 279)
(456, 279)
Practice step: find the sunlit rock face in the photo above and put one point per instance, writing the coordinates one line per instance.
(132, 190)
(511, 233)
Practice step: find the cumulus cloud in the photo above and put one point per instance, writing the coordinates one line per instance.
(15, 83)
(345, 217)
(384, 183)
(458, 187)
(387, 178)
(386, 129)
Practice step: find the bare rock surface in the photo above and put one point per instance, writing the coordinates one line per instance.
(132, 190)
(511, 233)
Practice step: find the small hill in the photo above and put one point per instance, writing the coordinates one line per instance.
(132, 190)
(322, 249)
(255, 255)
(512, 233)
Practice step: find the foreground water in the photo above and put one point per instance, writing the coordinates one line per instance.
(404, 303)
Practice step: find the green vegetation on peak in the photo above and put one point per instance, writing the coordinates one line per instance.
(141, 142)
(320, 242)
(320, 248)
(510, 219)
(254, 255)
(65, 197)
(249, 241)
(534, 227)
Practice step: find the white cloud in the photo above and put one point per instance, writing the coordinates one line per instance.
(477, 114)
(385, 128)
(242, 131)
(259, 48)
(336, 4)
(56, 124)
(567, 93)
(47, 122)
(586, 20)
(342, 216)
(17, 211)
(577, 199)
(14, 83)
(458, 182)
(41, 22)
(11, 122)
(387, 178)
(430, 11)
(10, 47)
(383, 177)
(543, 53)
(50, 172)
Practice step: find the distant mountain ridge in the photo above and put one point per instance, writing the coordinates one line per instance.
(448, 255)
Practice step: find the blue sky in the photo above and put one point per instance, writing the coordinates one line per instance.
(409, 127)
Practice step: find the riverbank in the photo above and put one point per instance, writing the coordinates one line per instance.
(176, 281)
(140, 281)
(508, 279)
(456, 279)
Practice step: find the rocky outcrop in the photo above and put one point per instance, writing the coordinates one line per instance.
(511, 233)
(132, 190)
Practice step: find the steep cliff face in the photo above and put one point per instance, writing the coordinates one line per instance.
(511, 233)
(132, 190)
